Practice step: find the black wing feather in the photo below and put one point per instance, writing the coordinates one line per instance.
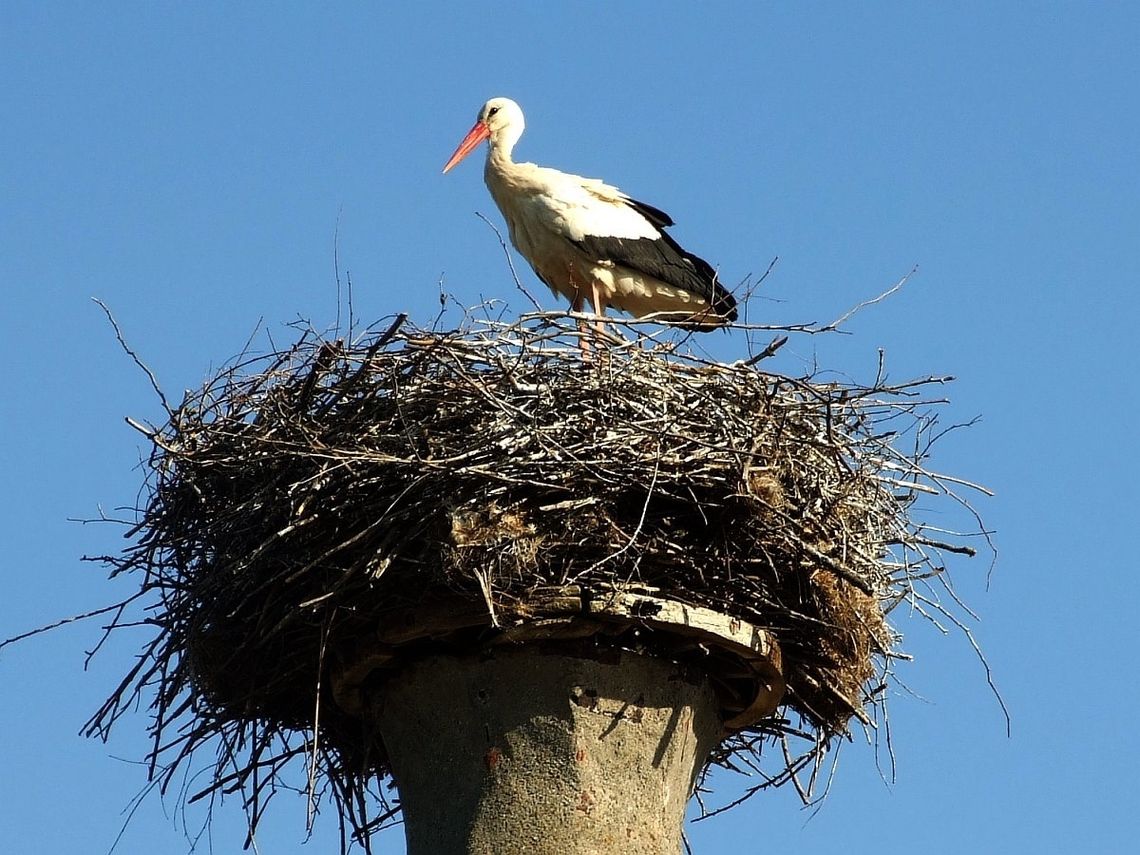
(664, 259)
(655, 215)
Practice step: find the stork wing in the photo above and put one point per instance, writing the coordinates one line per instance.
(657, 255)
(614, 229)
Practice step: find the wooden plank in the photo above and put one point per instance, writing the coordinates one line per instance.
(554, 613)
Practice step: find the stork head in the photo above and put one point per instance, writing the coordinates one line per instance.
(501, 121)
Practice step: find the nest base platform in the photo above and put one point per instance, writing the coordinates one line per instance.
(742, 660)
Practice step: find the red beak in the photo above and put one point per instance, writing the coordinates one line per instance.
(475, 136)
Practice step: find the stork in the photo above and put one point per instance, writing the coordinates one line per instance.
(589, 241)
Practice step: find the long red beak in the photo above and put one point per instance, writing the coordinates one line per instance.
(475, 136)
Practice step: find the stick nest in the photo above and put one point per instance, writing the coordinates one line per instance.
(298, 500)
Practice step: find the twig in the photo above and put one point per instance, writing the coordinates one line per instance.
(774, 345)
(510, 261)
(834, 325)
(72, 619)
(134, 356)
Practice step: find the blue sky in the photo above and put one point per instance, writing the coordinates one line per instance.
(190, 165)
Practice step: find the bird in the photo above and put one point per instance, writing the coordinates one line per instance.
(587, 240)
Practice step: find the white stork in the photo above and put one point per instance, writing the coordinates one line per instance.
(589, 241)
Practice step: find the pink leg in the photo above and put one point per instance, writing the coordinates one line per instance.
(599, 322)
(599, 309)
(583, 339)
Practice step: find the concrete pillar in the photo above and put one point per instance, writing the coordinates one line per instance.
(520, 751)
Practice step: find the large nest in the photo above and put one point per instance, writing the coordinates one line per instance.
(301, 499)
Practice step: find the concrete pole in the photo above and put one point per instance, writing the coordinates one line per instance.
(526, 752)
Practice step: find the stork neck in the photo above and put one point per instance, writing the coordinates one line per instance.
(502, 144)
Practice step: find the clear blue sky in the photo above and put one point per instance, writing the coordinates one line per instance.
(188, 164)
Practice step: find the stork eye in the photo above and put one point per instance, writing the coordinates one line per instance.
(492, 111)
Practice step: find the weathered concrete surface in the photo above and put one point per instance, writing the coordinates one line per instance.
(524, 752)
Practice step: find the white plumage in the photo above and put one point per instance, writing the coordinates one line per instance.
(589, 241)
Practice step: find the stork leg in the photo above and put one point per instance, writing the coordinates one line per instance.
(576, 306)
(599, 310)
(599, 331)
